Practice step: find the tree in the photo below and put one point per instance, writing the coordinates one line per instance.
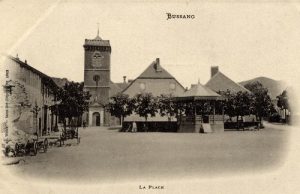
(167, 106)
(237, 104)
(73, 101)
(228, 103)
(241, 103)
(145, 105)
(120, 106)
(282, 102)
(261, 105)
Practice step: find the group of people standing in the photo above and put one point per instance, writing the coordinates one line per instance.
(132, 128)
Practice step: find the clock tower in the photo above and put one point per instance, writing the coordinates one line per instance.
(97, 79)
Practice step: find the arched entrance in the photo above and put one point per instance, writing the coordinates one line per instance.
(96, 119)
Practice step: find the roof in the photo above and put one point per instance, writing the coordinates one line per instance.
(97, 41)
(45, 78)
(114, 89)
(152, 72)
(122, 85)
(220, 82)
(200, 91)
(60, 82)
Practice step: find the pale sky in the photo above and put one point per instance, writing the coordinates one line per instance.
(245, 40)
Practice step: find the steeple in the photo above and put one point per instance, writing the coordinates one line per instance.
(98, 37)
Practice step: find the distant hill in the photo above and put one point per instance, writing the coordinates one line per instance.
(275, 87)
(60, 82)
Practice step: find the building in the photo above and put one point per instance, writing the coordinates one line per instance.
(198, 118)
(220, 82)
(156, 80)
(30, 95)
(97, 81)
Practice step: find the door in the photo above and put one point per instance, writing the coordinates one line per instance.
(96, 119)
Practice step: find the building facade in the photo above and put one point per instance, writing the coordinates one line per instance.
(156, 80)
(31, 96)
(97, 79)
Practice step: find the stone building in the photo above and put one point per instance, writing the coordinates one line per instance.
(97, 81)
(30, 92)
(156, 80)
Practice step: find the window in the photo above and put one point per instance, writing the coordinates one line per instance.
(96, 78)
(142, 86)
(172, 86)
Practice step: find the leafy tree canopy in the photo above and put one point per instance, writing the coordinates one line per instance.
(73, 100)
(120, 105)
(261, 104)
(145, 105)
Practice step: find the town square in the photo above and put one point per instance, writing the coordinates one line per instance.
(106, 93)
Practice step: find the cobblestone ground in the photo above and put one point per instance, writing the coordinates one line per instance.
(107, 155)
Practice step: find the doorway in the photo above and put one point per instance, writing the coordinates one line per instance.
(96, 119)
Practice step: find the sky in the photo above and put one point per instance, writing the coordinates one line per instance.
(245, 40)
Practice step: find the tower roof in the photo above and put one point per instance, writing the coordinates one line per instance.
(97, 41)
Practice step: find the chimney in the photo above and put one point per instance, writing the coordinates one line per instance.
(130, 80)
(124, 79)
(25, 61)
(214, 70)
(157, 65)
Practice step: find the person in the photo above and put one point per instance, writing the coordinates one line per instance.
(145, 127)
(134, 127)
(84, 124)
(128, 128)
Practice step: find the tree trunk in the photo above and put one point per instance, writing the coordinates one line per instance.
(64, 124)
(260, 122)
(146, 128)
(285, 115)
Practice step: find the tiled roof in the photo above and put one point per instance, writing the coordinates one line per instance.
(122, 85)
(220, 82)
(114, 89)
(60, 82)
(44, 77)
(200, 90)
(153, 72)
(96, 42)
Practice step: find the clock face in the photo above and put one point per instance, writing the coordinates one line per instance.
(97, 59)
